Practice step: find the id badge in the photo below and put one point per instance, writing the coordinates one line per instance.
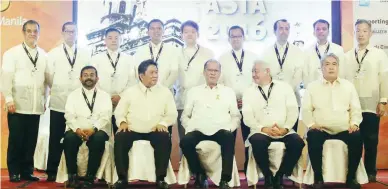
(281, 75)
(267, 110)
(71, 73)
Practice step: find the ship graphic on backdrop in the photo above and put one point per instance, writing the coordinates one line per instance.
(132, 27)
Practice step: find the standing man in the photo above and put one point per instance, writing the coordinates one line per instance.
(146, 112)
(24, 86)
(368, 67)
(312, 69)
(270, 110)
(88, 112)
(116, 69)
(164, 54)
(237, 72)
(65, 62)
(331, 110)
(210, 114)
(286, 59)
(191, 61)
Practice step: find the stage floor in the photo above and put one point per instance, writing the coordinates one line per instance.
(382, 177)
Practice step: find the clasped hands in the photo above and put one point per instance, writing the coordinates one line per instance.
(274, 131)
(124, 127)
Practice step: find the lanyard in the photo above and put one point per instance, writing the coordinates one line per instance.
(239, 63)
(319, 54)
(33, 61)
(71, 62)
(114, 65)
(90, 106)
(281, 62)
(362, 58)
(263, 93)
(157, 56)
(192, 58)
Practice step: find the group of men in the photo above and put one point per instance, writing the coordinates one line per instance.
(139, 98)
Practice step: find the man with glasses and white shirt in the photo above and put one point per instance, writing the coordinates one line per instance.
(64, 65)
(237, 66)
(23, 86)
(116, 69)
(367, 68)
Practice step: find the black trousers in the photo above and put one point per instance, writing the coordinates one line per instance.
(57, 132)
(245, 131)
(23, 134)
(160, 141)
(114, 125)
(295, 127)
(315, 141)
(294, 146)
(96, 145)
(224, 138)
(369, 129)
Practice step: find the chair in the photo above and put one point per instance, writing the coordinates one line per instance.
(335, 164)
(276, 153)
(142, 164)
(210, 156)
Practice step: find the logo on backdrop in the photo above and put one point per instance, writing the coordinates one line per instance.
(5, 5)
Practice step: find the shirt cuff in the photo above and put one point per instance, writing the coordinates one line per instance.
(310, 125)
(8, 99)
(164, 124)
(383, 99)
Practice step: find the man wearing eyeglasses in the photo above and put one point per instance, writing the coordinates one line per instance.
(23, 86)
(64, 63)
(237, 72)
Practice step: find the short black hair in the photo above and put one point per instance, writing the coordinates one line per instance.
(111, 30)
(321, 21)
(144, 66)
(88, 68)
(236, 27)
(154, 20)
(67, 24)
(209, 61)
(275, 25)
(30, 22)
(191, 24)
(363, 21)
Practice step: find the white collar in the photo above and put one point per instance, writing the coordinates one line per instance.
(156, 46)
(112, 52)
(87, 91)
(29, 48)
(324, 45)
(281, 46)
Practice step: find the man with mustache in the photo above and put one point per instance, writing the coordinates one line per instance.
(116, 69)
(210, 113)
(331, 110)
(367, 68)
(146, 112)
(65, 62)
(286, 60)
(163, 54)
(88, 112)
(312, 69)
(270, 110)
(23, 86)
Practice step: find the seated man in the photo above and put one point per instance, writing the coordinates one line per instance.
(87, 113)
(210, 113)
(332, 110)
(270, 109)
(145, 112)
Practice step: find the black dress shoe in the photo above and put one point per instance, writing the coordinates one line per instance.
(51, 178)
(318, 185)
(161, 184)
(353, 184)
(268, 182)
(120, 184)
(14, 178)
(29, 177)
(88, 184)
(201, 181)
(372, 178)
(277, 182)
(73, 181)
(224, 185)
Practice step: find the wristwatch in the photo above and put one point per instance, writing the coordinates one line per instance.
(383, 103)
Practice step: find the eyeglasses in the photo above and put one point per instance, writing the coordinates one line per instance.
(70, 32)
(236, 37)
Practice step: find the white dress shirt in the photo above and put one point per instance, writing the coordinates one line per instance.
(231, 75)
(312, 69)
(21, 83)
(63, 79)
(167, 62)
(190, 75)
(292, 67)
(282, 107)
(78, 114)
(333, 106)
(143, 108)
(210, 110)
(372, 81)
(110, 81)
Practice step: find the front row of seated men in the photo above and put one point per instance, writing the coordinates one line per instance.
(147, 110)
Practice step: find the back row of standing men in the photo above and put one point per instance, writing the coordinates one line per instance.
(26, 69)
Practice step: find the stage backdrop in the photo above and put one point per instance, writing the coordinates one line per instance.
(214, 19)
(375, 12)
(51, 15)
